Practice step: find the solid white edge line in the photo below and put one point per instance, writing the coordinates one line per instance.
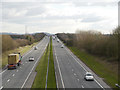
(1, 87)
(3, 71)
(33, 68)
(57, 81)
(85, 69)
(82, 86)
(59, 69)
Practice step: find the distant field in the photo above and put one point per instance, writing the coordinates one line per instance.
(101, 69)
(22, 50)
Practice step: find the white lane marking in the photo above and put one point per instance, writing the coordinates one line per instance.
(1, 87)
(20, 67)
(72, 70)
(56, 80)
(33, 68)
(13, 75)
(84, 68)
(74, 74)
(82, 86)
(17, 70)
(76, 60)
(8, 80)
(59, 69)
(99, 83)
(78, 79)
(3, 71)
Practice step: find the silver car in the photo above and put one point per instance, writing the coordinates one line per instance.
(89, 76)
(31, 59)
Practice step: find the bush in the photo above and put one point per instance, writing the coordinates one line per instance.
(8, 43)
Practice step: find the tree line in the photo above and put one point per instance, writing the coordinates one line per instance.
(10, 42)
(93, 42)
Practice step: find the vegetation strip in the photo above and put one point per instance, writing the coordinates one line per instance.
(51, 83)
(41, 69)
(100, 69)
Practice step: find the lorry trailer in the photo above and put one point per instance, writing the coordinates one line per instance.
(14, 60)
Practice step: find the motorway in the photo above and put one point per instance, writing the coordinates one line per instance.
(17, 78)
(70, 70)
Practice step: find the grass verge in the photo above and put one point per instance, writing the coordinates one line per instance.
(51, 82)
(41, 69)
(102, 70)
(22, 50)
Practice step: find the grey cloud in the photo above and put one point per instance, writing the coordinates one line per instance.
(36, 11)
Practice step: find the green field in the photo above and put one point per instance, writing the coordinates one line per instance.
(22, 50)
(102, 70)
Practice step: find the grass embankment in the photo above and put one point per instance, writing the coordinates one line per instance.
(99, 68)
(51, 83)
(41, 69)
(22, 50)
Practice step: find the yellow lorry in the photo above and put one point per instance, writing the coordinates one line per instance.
(14, 60)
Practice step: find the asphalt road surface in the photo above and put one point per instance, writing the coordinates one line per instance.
(18, 77)
(70, 71)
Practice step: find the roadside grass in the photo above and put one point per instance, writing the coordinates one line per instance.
(51, 82)
(41, 69)
(102, 70)
(22, 50)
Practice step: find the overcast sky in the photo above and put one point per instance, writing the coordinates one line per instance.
(55, 16)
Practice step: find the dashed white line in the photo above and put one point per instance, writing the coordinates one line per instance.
(17, 70)
(33, 68)
(1, 87)
(83, 68)
(13, 75)
(74, 74)
(8, 80)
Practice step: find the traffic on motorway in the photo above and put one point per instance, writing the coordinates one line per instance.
(69, 71)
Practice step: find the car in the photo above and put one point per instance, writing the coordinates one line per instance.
(62, 46)
(31, 59)
(89, 76)
(35, 48)
(58, 40)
